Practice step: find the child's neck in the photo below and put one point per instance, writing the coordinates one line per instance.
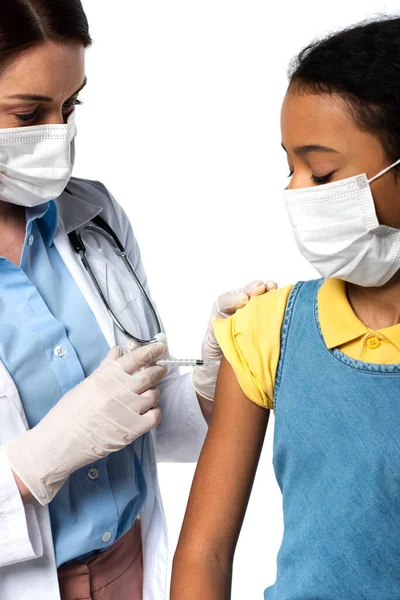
(376, 307)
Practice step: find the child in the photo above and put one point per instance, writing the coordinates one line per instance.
(323, 355)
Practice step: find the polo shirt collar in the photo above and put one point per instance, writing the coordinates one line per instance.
(339, 323)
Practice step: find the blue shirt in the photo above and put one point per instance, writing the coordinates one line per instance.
(49, 342)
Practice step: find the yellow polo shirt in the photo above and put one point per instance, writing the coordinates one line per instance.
(250, 339)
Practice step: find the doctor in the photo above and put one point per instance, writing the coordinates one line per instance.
(80, 509)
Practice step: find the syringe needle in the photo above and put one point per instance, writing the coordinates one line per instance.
(185, 362)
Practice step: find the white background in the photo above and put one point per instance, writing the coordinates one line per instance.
(181, 122)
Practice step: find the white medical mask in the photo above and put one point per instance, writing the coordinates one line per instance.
(36, 162)
(337, 231)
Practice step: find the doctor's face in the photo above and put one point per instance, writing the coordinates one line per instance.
(41, 85)
(323, 144)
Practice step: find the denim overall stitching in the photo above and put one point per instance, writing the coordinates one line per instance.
(284, 337)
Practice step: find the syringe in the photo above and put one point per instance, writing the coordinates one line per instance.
(185, 362)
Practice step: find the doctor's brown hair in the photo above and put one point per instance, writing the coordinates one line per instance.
(361, 64)
(25, 23)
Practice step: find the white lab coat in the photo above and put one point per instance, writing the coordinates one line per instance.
(27, 564)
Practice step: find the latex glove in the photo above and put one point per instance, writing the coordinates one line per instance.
(103, 414)
(204, 378)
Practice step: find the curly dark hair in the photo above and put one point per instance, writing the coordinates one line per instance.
(361, 64)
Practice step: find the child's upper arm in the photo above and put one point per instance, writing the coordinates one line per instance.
(220, 490)
(224, 476)
(250, 341)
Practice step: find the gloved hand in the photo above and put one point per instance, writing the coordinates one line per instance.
(204, 378)
(103, 414)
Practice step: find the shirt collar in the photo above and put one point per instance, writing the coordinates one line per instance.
(392, 334)
(339, 323)
(68, 213)
(46, 215)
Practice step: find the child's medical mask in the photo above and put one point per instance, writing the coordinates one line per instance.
(337, 231)
(36, 162)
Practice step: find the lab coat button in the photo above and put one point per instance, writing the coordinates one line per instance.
(31, 240)
(106, 537)
(373, 342)
(93, 474)
(60, 351)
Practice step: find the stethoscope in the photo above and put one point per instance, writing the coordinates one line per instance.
(75, 238)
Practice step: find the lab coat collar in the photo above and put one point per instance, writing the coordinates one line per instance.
(74, 212)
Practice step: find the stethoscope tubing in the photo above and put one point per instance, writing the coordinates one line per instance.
(75, 238)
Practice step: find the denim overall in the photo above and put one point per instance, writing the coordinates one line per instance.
(337, 463)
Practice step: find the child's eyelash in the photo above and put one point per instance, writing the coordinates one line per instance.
(323, 179)
(318, 180)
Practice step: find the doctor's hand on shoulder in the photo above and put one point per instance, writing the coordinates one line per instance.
(114, 406)
(204, 378)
